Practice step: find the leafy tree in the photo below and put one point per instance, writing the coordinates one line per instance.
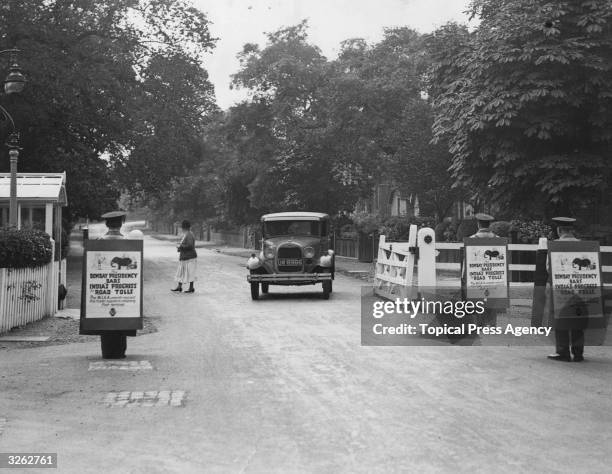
(176, 100)
(287, 80)
(319, 134)
(101, 77)
(524, 102)
(382, 113)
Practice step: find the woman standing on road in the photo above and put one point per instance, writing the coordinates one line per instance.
(186, 270)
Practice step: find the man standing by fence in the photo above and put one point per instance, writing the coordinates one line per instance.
(489, 317)
(569, 336)
(113, 342)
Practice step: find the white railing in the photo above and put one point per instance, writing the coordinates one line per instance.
(394, 267)
(28, 294)
(512, 266)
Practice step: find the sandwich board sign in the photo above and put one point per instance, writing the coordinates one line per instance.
(111, 293)
(486, 270)
(575, 275)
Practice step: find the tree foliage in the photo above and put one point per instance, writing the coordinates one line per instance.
(524, 102)
(318, 134)
(385, 113)
(110, 82)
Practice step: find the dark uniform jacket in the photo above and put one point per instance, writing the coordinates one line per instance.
(187, 247)
(582, 320)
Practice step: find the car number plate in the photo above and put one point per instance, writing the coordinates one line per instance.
(287, 262)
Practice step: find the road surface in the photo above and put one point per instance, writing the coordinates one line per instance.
(283, 385)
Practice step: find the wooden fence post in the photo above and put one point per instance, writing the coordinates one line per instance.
(3, 297)
(426, 268)
(52, 287)
(540, 278)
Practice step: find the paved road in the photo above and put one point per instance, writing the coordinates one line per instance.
(283, 385)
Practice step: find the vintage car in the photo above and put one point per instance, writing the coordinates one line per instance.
(296, 250)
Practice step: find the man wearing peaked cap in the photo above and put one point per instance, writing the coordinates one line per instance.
(489, 317)
(565, 227)
(113, 342)
(114, 221)
(484, 221)
(111, 214)
(568, 340)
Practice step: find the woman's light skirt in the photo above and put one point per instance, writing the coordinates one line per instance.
(186, 271)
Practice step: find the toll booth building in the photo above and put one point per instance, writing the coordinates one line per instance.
(40, 199)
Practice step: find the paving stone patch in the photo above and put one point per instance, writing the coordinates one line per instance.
(151, 398)
(120, 365)
(2, 425)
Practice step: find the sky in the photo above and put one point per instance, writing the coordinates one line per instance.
(236, 22)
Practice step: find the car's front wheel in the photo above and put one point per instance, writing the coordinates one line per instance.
(327, 289)
(255, 290)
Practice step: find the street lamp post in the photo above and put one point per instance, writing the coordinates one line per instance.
(13, 145)
(13, 84)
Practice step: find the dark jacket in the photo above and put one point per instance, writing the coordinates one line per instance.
(187, 247)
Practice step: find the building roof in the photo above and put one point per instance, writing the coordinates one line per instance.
(43, 187)
(296, 216)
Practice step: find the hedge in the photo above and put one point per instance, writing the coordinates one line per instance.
(529, 232)
(467, 227)
(24, 248)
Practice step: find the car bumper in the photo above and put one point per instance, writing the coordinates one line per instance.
(288, 277)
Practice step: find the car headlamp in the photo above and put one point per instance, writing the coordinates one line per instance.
(268, 251)
(309, 252)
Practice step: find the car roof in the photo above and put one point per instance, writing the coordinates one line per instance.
(298, 216)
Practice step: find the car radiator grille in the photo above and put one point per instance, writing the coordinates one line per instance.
(289, 259)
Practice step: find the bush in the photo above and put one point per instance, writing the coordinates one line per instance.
(529, 232)
(466, 228)
(395, 228)
(424, 221)
(450, 234)
(366, 222)
(501, 228)
(398, 227)
(24, 248)
(441, 231)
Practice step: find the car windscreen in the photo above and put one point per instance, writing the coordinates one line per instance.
(277, 228)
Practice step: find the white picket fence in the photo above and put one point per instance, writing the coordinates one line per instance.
(29, 294)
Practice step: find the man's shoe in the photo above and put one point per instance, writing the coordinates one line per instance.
(178, 288)
(578, 358)
(190, 290)
(560, 357)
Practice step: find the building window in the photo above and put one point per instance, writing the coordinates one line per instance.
(33, 218)
(399, 205)
(4, 216)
